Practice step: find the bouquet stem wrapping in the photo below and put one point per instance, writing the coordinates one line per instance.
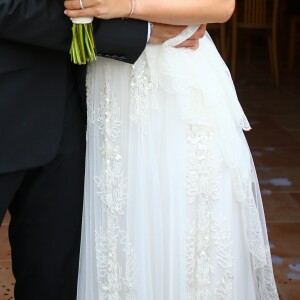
(82, 48)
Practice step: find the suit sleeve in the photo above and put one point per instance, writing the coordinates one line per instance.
(42, 23)
(120, 39)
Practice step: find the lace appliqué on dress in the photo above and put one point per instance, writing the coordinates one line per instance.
(205, 232)
(112, 243)
(140, 100)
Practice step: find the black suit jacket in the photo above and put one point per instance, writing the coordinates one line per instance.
(36, 74)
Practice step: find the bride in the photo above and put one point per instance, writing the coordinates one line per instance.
(172, 208)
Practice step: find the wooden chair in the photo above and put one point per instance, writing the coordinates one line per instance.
(257, 16)
(219, 32)
(295, 20)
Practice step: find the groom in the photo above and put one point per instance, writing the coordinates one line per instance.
(42, 136)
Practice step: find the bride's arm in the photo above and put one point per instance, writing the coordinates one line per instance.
(176, 12)
(184, 12)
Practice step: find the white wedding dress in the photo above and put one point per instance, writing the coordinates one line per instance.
(172, 205)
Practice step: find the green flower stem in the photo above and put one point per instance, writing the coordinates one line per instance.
(82, 48)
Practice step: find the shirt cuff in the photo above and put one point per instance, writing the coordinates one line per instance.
(149, 32)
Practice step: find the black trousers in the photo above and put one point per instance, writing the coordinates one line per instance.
(45, 203)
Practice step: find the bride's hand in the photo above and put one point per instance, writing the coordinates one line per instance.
(102, 9)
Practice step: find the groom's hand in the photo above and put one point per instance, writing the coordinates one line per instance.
(164, 32)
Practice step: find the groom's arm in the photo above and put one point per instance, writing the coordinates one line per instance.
(120, 39)
(127, 39)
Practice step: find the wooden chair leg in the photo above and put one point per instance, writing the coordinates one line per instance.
(248, 50)
(271, 55)
(292, 43)
(275, 57)
(216, 40)
(233, 51)
(223, 41)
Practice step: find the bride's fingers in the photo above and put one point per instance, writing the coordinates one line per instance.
(70, 4)
(88, 12)
(199, 34)
(195, 46)
(103, 9)
(76, 4)
(190, 43)
(193, 41)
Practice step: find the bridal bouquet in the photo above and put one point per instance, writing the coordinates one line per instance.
(82, 48)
